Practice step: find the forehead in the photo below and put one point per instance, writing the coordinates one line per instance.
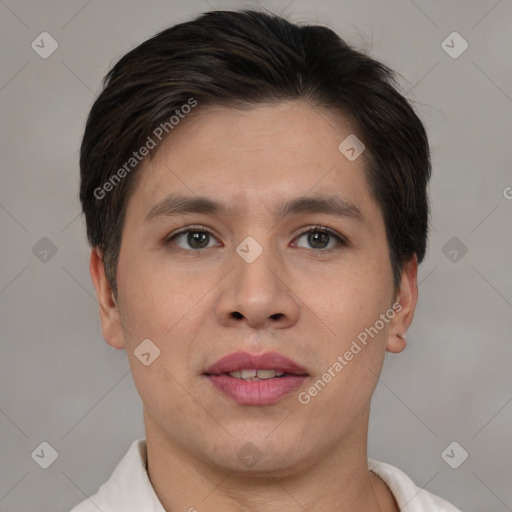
(253, 158)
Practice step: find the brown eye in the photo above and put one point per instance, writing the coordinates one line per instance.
(198, 239)
(320, 238)
(192, 239)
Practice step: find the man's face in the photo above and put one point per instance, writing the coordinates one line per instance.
(253, 278)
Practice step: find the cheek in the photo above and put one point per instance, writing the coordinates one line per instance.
(167, 307)
(355, 298)
(354, 347)
(153, 299)
(153, 312)
(344, 388)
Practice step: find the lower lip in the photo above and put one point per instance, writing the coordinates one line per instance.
(262, 392)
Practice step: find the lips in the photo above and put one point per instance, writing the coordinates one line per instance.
(243, 361)
(247, 378)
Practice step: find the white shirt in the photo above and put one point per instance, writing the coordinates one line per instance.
(129, 488)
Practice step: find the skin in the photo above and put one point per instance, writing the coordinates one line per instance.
(305, 302)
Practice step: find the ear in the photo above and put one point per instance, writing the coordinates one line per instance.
(109, 311)
(404, 313)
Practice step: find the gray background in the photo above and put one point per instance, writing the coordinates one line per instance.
(61, 383)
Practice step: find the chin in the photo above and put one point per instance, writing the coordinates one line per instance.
(258, 455)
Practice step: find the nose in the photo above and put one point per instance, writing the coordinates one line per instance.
(256, 294)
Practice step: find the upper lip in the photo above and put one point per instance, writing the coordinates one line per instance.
(244, 360)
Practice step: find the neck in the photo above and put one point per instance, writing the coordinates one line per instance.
(338, 479)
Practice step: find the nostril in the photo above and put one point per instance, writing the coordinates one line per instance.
(276, 316)
(237, 315)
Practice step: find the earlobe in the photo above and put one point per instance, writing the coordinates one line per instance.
(396, 343)
(109, 311)
(407, 298)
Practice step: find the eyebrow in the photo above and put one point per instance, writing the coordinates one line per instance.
(335, 205)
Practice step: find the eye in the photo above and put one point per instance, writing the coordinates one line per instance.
(192, 238)
(321, 237)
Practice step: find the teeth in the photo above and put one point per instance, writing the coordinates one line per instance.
(256, 375)
(266, 374)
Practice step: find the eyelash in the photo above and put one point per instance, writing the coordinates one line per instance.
(318, 228)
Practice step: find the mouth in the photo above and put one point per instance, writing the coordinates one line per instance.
(255, 375)
(256, 379)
